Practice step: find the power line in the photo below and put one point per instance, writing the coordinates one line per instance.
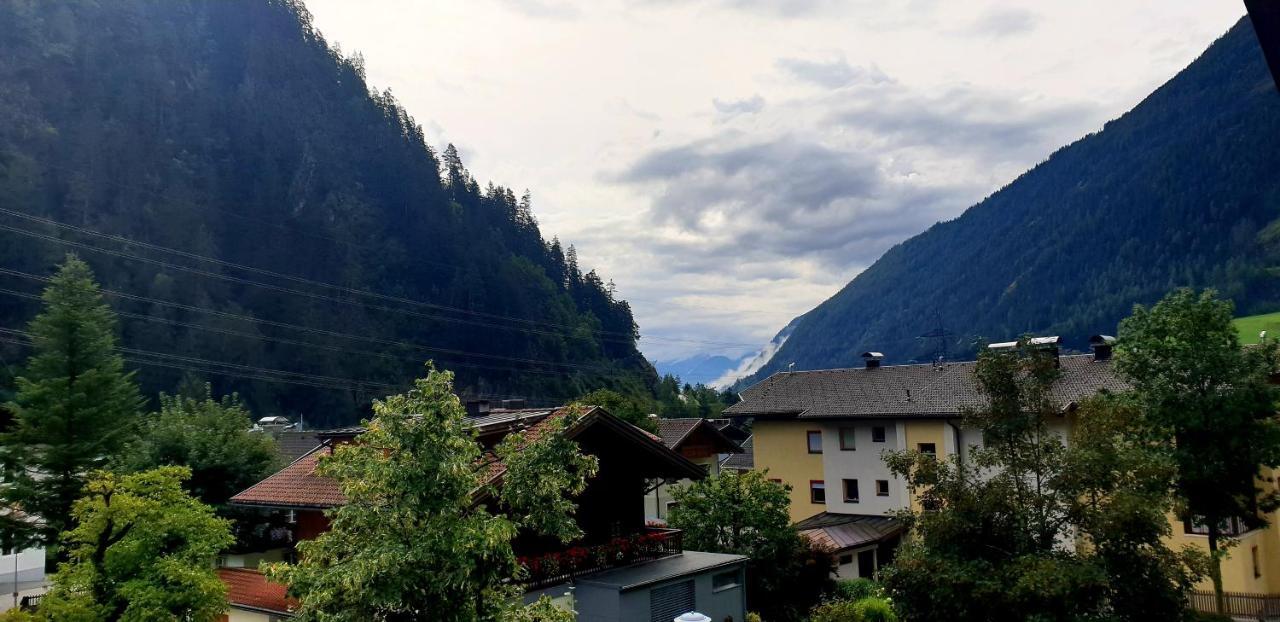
(293, 278)
(272, 379)
(308, 329)
(306, 344)
(619, 336)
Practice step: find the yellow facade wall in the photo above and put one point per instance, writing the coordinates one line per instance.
(927, 431)
(781, 447)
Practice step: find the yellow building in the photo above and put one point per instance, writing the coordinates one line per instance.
(824, 432)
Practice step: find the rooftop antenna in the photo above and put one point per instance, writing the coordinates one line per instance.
(939, 334)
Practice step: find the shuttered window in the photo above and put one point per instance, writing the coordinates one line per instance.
(669, 601)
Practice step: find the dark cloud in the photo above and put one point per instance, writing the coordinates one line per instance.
(735, 107)
(786, 197)
(963, 120)
(831, 74)
(1003, 22)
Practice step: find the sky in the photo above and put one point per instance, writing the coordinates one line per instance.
(730, 164)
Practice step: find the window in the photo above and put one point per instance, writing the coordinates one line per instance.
(817, 491)
(815, 441)
(776, 480)
(847, 439)
(877, 434)
(1257, 568)
(1229, 527)
(845, 560)
(882, 488)
(850, 491)
(725, 581)
(928, 448)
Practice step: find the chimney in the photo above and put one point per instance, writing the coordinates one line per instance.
(513, 404)
(477, 408)
(872, 359)
(1101, 346)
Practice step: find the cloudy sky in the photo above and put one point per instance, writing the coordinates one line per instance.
(732, 163)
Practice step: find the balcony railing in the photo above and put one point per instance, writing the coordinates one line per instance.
(553, 568)
(1238, 604)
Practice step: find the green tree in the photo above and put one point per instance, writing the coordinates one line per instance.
(1210, 405)
(628, 408)
(748, 515)
(212, 437)
(143, 549)
(412, 541)
(994, 537)
(75, 406)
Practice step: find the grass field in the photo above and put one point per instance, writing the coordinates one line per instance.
(1249, 327)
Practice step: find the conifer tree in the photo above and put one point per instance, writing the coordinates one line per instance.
(75, 405)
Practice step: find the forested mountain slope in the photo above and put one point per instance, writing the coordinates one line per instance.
(1184, 190)
(230, 130)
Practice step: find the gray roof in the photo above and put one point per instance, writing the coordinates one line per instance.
(674, 431)
(744, 461)
(674, 567)
(292, 444)
(838, 532)
(903, 390)
(495, 418)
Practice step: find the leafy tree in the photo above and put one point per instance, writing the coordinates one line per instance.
(993, 538)
(631, 409)
(541, 610)
(746, 514)
(1210, 405)
(212, 437)
(75, 406)
(412, 542)
(143, 549)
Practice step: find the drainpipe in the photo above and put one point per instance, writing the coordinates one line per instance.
(959, 448)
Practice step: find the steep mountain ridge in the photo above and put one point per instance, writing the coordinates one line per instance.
(231, 131)
(1184, 190)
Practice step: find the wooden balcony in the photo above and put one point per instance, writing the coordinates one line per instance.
(552, 568)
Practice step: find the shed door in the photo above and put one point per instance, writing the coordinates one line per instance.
(669, 601)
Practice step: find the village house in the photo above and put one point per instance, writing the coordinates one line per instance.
(654, 580)
(703, 442)
(823, 432)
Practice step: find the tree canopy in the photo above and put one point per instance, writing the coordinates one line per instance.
(142, 549)
(1209, 404)
(415, 540)
(1029, 527)
(75, 405)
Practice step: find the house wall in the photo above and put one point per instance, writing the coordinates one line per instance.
(781, 449)
(655, 501)
(602, 604)
(246, 615)
(864, 463)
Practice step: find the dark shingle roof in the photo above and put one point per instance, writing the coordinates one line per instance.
(744, 461)
(673, 431)
(903, 390)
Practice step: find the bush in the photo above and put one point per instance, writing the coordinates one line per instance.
(857, 589)
(867, 609)
(875, 609)
(753, 617)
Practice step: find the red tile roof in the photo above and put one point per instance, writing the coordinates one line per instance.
(250, 589)
(296, 485)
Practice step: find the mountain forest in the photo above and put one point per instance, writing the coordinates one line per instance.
(264, 220)
(1182, 190)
